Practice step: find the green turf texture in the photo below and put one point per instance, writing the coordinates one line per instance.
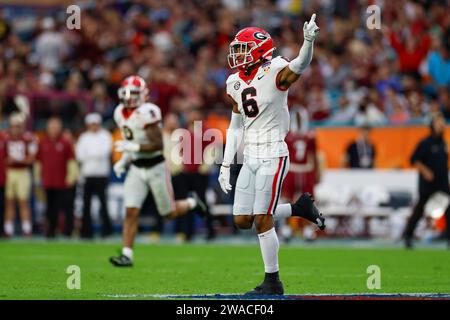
(37, 270)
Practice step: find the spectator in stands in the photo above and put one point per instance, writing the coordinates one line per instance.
(5, 29)
(21, 148)
(439, 65)
(410, 51)
(361, 153)
(345, 113)
(58, 171)
(386, 79)
(318, 103)
(431, 159)
(51, 46)
(417, 105)
(93, 151)
(188, 51)
(368, 113)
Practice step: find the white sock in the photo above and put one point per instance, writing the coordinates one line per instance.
(26, 227)
(283, 211)
(127, 252)
(9, 228)
(191, 202)
(268, 241)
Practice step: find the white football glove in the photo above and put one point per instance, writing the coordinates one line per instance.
(310, 29)
(224, 179)
(126, 146)
(119, 168)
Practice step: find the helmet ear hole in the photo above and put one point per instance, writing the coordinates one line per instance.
(258, 46)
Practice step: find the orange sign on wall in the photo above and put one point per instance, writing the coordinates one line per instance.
(393, 146)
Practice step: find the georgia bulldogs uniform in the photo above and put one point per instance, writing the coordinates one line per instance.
(260, 116)
(266, 122)
(265, 110)
(132, 124)
(144, 175)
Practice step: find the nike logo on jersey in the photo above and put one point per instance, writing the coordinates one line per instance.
(260, 77)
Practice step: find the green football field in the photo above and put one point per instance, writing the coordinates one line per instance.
(37, 270)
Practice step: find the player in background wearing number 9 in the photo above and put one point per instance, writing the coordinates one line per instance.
(260, 116)
(142, 150)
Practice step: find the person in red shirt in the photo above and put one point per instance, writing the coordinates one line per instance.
(56, 165)
(194, 176)
(2, 179)
(21, 148)
(410, 52)
(304, 170)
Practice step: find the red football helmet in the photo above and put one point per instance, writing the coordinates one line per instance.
(250, 46)
(133, 91)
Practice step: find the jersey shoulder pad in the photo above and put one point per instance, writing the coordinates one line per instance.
(233, 83)
(232, 78)
(149, 113)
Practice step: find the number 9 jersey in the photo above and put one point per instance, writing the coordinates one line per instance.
(264, 108)
(132, 123)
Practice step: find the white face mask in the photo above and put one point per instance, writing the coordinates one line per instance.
(240, 53)
(239, 49)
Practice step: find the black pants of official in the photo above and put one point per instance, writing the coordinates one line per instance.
(59, 200)
(418, 212)
(2, 208)
(95, 186)
(183, 183)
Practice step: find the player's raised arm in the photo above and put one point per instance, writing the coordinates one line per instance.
(296, 67)
(235, 133)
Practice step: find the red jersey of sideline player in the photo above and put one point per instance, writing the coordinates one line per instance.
(20, 149)
(303, 170)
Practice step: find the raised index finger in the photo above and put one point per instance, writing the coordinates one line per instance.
(313, 18)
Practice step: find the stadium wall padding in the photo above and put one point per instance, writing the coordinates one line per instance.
(394, 145)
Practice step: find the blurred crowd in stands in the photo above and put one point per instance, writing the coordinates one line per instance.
(392, 75)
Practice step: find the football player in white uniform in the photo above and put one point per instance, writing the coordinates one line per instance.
(142, 150)
(258, 93)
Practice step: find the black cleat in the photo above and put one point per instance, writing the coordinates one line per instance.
(304, 207)
(273, 288)
(201, 206)
(121, 261)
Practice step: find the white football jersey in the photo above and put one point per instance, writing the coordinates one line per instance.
(132, 124)
(264, 108)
